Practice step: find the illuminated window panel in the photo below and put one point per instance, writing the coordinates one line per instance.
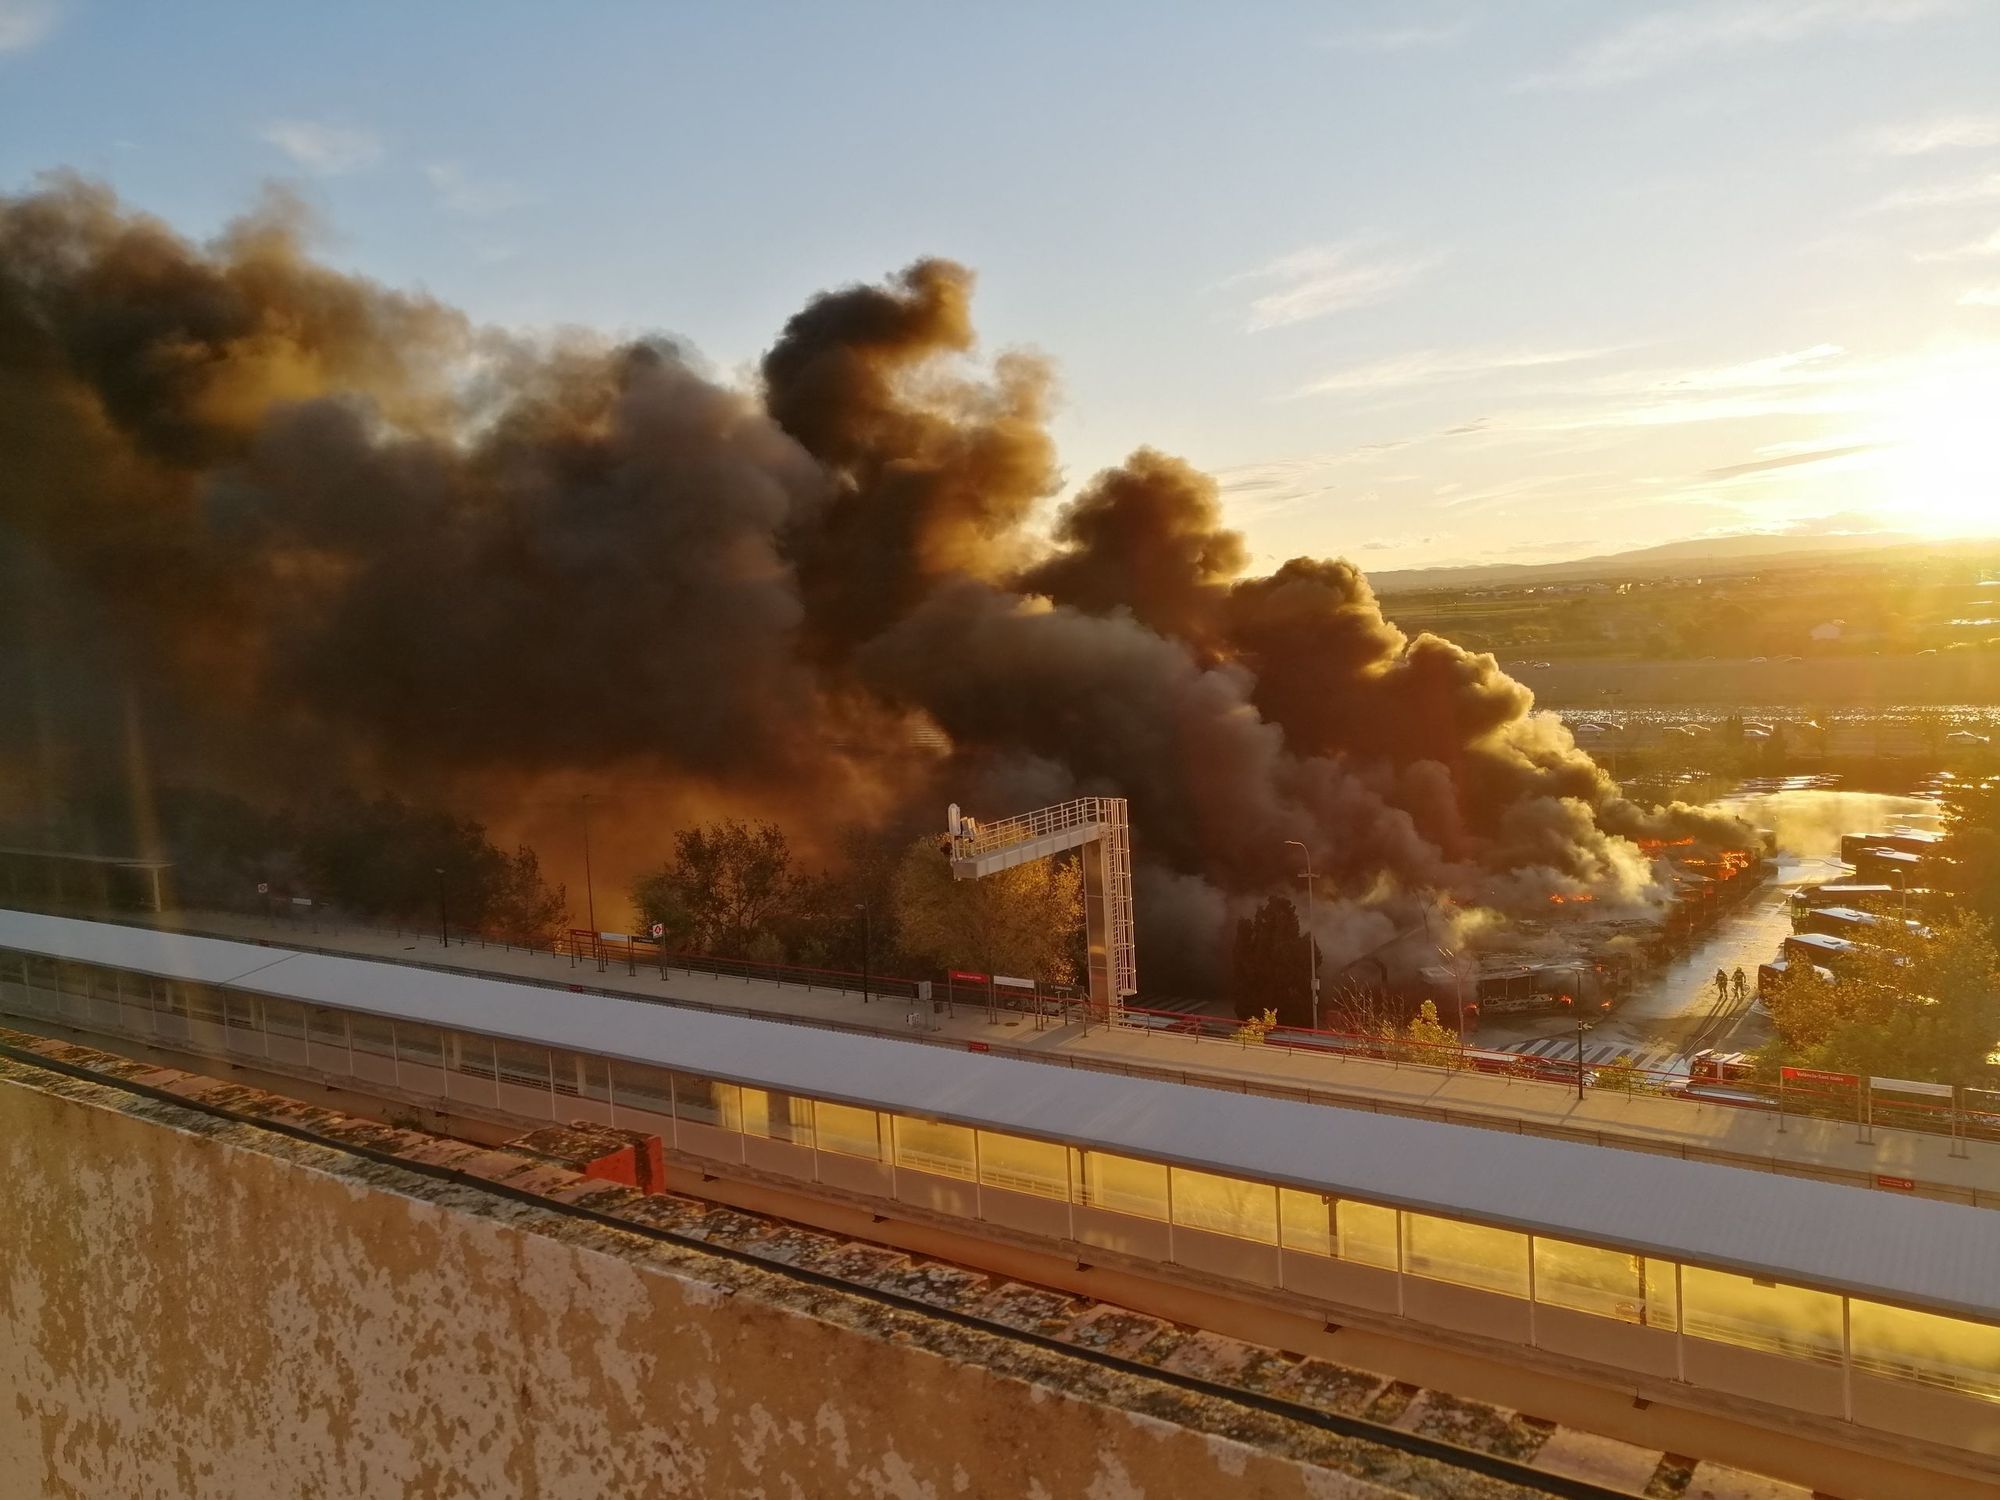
(1493, 1260)
(1023, 1166)
(776, 1117)
(1607, 1283)
(933, 1146)
(1663, 1300)
(1365, 1234)
(1756, 1314)
(1305, 1221)
(1925, 1347)
(848, 1131)
(1122, 1184)
(1225, 1205)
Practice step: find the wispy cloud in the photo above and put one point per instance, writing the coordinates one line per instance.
(1431, 366)
(1325, 279)
(1721, 28)
(1948, 194)
(329, 150)
(1976, 250)
(461, 193)
(1939, 133)
(26, 23)
(1980, 296)
(1789, 460)
(1400, 38)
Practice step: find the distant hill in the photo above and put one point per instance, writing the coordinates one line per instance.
(1718, 554)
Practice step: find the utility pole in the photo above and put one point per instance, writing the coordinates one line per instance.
(1581, 1027)
(444, 922)
(1312, 945)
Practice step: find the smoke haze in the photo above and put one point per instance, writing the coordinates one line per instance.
(281, 526)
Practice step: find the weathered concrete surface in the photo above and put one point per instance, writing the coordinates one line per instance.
(194, 1308)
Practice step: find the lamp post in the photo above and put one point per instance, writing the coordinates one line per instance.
(589, 887)
(1581, 1027)
(867, 948)
(1312, 946)
(444, 922)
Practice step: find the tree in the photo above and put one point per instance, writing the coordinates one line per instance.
(381, 858)
(524, 908)
(1027, 921)
(1921, 1004)
(1269, 964)
(727, 883)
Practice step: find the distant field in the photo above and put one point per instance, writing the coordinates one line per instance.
(1946, 679)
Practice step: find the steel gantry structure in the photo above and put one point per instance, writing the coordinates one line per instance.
(1101, 828)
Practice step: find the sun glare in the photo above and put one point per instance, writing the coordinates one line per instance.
(1942, 472)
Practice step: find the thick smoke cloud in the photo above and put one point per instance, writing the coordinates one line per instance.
(295, 526)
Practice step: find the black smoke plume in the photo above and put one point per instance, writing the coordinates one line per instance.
(284, 527)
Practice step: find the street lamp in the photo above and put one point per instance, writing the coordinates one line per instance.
(444, 922)
(1581, 1027)
(867, 948)
(1312, 947)
(589, 888)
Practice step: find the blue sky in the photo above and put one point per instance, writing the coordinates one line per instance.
(1418, 282)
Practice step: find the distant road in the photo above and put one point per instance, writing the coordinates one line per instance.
(1940, 679)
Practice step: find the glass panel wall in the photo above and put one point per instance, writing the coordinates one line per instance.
(1021, 1165)
(1758, 1314)
(847, 1130)
(373, 1035)
(1305, 1221)
(472, 1055)
(242, 1012)
(777, 1117)
(1122, 1184)
(1925, 1347)
(1585, 1279)
(523, 1066)
(203, 1003)
(634, 1086)
(1494, 1260)
(705, 1101)
(420, 1046)
(1365, 1234)
(1225, 1205)
(934, 1146)
(284, 1019)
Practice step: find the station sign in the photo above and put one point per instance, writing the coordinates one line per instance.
(1817, 1075)
(1899, 1184)
(966, 976)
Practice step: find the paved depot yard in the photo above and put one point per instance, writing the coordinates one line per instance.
(1743, 1137)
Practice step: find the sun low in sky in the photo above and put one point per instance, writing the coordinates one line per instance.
(1418, 282)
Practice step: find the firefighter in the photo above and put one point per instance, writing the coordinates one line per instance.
(1741, 985)
(1721, 985)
